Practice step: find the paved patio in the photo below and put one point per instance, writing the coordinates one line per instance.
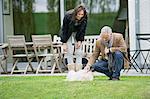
(131, 72)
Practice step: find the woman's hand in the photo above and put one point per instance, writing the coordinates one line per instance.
(78, 44)
(65, 47)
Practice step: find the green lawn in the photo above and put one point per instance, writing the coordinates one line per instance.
(55, 87)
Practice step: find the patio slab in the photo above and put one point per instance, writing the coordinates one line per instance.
(131, 72)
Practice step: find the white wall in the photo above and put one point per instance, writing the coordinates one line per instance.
(139, 26)
(144, 24)
(131, 16)
(61, 11)
(144, 21)
(8, 23)
(1, 23)
(145, 16)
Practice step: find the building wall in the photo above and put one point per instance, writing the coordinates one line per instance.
(1, 23)
(8, 23)
(143, 22)
(8, 27)
(145, 16)
(139, 23)
(132, 31)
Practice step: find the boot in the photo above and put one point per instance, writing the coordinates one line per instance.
(78, 67)
(71, 67)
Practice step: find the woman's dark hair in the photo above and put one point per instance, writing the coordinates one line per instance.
(78, 9)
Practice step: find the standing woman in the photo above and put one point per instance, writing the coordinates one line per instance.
(73, 32)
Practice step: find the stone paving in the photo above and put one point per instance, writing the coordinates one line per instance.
(131, 72)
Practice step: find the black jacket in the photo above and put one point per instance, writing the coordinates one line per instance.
(70, 26)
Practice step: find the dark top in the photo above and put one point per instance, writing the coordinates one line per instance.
(70, 26)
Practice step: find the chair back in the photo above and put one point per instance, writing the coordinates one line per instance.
(16, 41)
(42, 42)
(143, 41)
(17, 44)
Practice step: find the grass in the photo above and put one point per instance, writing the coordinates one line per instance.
(55, 87)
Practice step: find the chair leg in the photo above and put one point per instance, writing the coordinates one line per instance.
(148, 68)
(14, 65)
(2, 67)
(58, 65)
(39, 66)
(25, 71)
(40, 63)
(53, 68)
(29, 65)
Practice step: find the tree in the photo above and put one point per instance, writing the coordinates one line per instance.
(53, 23)
(120, 25)
(23, 18)
(52, 4)
(70, 4)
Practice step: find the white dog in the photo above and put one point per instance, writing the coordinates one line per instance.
(81, 75)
